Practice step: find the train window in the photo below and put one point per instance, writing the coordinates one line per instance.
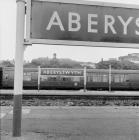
(94, 78)
(27, 78)
(43, 78)
(76, 79)
(104, 78)
(119, 78)
(88, 79)
(27, 74)
(52, 78)
(72, 78)
(98, 78)
(91, 79)
(65, 79)
(81, 79)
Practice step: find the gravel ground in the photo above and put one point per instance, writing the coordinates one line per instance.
(72, 102)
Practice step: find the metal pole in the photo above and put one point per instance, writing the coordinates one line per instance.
(84, 79)
(39, 74)
(109, 77)
(18, 73)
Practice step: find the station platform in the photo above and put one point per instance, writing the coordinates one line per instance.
(73, 123)
(73, 92)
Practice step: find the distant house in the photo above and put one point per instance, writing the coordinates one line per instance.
(88, 64)
(134, 57)
(112, 59)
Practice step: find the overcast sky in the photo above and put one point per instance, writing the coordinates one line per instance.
(7, 40)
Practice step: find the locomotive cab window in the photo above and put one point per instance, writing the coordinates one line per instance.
(34, 76)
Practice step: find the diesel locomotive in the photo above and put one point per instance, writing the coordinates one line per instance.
(70, 79)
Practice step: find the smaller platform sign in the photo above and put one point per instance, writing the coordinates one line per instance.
(66, 72)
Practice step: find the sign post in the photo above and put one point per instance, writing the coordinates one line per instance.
(18, 73)
(110, 74)
(85, 78)
(39, 75)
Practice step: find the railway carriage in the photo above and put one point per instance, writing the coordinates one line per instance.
(69, 79)
(117, 79)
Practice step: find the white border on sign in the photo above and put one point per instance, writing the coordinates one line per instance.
(31, 41)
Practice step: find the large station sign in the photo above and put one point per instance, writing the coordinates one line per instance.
(82, 23)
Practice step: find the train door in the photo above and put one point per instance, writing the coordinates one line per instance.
(5, 79)
(8, 78)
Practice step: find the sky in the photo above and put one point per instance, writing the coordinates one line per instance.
(79, 53)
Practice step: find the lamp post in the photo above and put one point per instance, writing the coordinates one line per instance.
(18, 73)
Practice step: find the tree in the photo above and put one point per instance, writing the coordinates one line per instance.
(6, 63)
(117, 65)
(55, 63)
